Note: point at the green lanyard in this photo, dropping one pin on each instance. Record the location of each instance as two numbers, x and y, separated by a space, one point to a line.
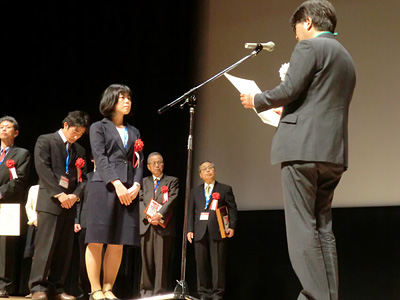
323 32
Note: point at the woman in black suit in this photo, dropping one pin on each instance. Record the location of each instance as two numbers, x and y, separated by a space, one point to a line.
113 215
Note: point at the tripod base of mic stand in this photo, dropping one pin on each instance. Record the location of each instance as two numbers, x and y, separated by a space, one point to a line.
181 291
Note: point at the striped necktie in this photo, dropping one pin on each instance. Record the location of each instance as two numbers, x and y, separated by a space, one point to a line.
3 153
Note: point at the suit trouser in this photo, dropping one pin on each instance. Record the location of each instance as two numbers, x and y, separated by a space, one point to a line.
53 249
155 258
10 257
210 262
77 282
308 189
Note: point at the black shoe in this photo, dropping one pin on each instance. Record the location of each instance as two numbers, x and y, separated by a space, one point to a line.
3 293
91 295
113 298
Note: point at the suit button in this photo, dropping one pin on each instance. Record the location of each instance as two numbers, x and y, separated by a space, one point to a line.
124 161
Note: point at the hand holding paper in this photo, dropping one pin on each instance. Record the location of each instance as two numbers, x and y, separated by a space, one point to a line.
247 100
250 88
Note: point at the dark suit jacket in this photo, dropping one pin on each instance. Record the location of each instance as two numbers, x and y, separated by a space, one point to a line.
113 161
315 96
197 204
50 159
81 207
147 193
14 190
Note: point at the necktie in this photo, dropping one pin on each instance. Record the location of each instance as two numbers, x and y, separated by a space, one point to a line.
156 182
208 191
3 153
67 160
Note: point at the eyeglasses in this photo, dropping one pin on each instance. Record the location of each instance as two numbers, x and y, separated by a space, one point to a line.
209 168
153 163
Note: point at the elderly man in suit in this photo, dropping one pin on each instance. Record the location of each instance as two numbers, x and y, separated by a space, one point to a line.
311 143
158 230
59 163
203 228
12 190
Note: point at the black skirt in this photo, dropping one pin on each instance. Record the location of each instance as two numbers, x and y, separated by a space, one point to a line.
109 221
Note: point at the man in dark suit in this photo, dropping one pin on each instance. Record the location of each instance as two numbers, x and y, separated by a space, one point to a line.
311 143
202 226
158 230
62 179
12 190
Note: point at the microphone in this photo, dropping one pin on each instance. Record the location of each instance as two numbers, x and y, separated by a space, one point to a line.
265 46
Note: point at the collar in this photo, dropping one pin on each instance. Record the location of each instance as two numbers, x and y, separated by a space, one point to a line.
158 178
62 136
7 148
212 184
326 32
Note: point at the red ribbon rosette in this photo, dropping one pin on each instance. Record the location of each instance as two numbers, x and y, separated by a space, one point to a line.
165 191
137 148
214 203
216 196
10 164
79 164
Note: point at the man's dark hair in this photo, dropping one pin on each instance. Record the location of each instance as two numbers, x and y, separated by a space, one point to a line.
77 118
321 12
11 120
109 98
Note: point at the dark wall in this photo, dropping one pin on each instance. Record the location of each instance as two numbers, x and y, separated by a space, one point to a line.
59 56
368 243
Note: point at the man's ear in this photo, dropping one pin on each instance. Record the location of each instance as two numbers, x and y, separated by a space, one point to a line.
16 132
308 24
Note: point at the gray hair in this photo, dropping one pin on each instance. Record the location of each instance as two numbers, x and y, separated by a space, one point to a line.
153 154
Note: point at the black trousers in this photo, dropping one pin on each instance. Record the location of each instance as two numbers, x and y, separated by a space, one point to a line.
308 189
155 260
210 263
10 262
77 282
53 249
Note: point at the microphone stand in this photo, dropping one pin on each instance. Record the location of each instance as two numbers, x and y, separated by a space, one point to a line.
181 290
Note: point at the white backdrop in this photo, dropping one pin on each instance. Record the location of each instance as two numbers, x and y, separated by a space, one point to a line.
238 142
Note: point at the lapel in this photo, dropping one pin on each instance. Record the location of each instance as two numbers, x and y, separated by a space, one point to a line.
131 138
60 145
73 155
114 133
10 154
158 192
203 197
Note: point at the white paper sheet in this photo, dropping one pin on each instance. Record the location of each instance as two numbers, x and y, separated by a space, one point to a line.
246 86
9 219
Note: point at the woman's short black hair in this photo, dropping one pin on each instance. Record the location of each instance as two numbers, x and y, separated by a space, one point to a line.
109 98
321 12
